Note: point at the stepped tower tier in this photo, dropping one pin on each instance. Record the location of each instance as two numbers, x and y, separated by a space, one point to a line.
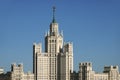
53 39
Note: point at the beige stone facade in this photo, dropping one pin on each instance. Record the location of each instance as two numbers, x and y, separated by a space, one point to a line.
56 62
86 73
17 73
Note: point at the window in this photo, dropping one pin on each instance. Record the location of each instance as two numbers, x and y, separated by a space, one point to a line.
52 40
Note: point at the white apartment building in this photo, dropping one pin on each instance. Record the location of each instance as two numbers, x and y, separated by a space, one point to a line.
17 73
86 72
56 62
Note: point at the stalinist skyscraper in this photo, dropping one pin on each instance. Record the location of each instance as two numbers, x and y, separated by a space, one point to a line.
56 62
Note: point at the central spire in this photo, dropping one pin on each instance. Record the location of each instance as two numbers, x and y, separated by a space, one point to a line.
54 14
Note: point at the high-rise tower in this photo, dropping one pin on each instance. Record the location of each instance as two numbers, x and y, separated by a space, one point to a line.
56 62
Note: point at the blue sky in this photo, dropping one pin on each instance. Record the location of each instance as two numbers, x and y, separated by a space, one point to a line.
92 25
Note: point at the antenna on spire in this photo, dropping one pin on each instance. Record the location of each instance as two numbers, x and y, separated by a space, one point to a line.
54 8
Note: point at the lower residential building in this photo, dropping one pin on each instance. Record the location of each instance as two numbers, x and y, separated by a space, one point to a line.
17 73
86 73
